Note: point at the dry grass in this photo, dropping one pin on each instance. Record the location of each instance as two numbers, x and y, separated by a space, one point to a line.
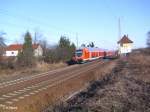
22 72
139 59
45 66
140 65
126 89
60 92
71 86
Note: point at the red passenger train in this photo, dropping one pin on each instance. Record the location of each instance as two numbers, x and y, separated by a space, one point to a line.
87 54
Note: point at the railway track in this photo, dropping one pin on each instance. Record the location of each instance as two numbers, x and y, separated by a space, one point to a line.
19 89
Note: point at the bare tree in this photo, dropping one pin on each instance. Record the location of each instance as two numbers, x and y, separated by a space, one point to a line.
2 44
44 45
83 45
38 36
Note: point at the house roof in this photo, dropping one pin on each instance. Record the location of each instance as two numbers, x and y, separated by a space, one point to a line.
13 47
125 39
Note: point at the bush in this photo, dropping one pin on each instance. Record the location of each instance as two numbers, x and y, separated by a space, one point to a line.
7 63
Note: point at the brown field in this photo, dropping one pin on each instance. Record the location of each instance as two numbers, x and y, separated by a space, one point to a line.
40 67
62 84
61 91
125 89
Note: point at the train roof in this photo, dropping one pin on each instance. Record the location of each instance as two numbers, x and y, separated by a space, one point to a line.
92 49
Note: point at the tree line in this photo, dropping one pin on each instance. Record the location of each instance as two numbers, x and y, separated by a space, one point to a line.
61 52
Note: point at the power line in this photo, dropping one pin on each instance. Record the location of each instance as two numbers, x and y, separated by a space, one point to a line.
16 25
13 24
33 21
27 19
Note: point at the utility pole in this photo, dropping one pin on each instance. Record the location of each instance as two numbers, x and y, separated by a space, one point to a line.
77 39
35 35
119 34
119 29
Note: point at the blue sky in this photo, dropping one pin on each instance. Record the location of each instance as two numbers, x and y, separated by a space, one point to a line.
91 20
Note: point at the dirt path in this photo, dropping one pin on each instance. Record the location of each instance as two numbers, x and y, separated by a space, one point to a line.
125 89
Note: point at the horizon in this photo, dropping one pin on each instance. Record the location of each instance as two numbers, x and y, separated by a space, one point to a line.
91 21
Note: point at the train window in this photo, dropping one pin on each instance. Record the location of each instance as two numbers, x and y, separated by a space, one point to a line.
79 53
79 50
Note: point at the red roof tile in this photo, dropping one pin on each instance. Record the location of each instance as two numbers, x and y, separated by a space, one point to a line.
14 47
35 46
125 39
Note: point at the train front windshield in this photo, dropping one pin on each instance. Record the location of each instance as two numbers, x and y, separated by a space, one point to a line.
79 53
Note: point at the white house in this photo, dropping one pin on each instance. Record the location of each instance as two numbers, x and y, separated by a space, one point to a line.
125 45
14 49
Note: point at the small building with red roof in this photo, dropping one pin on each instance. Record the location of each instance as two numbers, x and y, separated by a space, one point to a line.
125 45
14 49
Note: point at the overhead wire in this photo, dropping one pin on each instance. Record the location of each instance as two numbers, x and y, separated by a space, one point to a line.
33 22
